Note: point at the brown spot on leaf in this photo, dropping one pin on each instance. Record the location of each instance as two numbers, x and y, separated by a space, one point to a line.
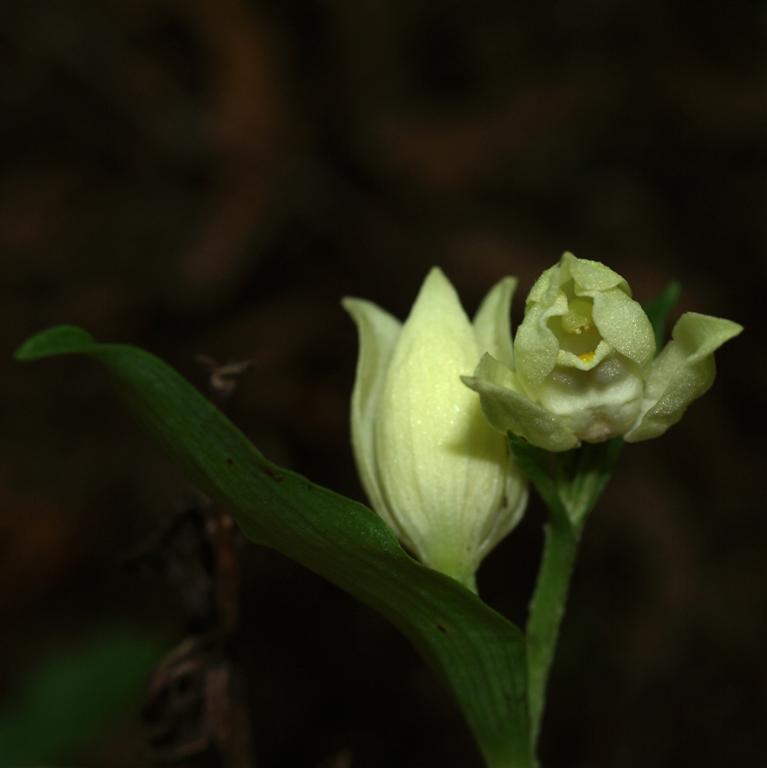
278 477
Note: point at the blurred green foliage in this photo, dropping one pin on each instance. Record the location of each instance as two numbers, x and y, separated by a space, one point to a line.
74 695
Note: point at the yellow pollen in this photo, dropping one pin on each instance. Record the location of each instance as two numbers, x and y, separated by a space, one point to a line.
586 357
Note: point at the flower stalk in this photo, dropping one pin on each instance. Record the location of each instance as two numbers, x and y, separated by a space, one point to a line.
547 609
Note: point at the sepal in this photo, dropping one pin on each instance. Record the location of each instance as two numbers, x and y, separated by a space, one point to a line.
681 373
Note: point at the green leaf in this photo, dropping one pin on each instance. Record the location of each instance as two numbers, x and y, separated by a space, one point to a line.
478 653
660 308
73 696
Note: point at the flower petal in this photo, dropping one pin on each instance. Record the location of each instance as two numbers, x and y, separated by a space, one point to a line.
536 346
378 334
681 373
440 463
492 323
511 512
508 410
591 275
623 324
545 288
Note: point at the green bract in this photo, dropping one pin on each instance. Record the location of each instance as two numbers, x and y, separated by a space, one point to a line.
584 365
432 467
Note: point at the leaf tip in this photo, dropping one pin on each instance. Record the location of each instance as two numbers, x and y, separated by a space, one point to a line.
58 340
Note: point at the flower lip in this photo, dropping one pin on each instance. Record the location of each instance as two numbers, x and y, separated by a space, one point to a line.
586 360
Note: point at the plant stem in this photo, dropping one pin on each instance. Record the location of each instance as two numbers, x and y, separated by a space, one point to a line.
546 611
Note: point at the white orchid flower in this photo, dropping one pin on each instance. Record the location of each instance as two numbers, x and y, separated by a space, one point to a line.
585 368
431 465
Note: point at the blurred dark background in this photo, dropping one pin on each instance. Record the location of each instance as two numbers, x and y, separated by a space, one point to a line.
211 178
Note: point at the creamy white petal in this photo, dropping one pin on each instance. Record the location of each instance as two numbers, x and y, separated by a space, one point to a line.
681 373
378 334
492 323
624 325
536 346
509 410
441 465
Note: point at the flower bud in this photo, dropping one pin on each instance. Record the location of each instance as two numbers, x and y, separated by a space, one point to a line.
432 467
584 365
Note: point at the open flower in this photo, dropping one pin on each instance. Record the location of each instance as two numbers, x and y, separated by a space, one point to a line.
585 367
432 467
